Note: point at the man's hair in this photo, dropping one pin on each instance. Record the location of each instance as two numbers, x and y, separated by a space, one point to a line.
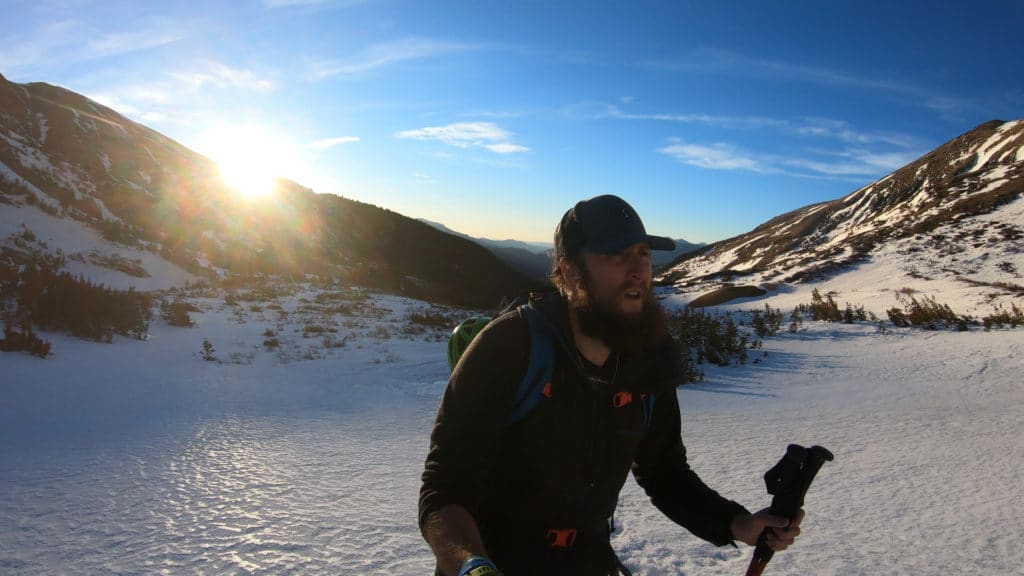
558 279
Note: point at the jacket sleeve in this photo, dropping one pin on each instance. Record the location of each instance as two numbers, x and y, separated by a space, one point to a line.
472 415
661 469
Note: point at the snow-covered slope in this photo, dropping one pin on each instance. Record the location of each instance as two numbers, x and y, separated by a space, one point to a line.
138 457
950 223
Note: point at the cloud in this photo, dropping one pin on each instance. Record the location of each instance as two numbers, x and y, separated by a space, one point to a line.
715 157
603 110
842 131
222 76
114 44
853 162
69 41
387 54
331 142
468 135
716 60
506 148
290 3
851 156
847 163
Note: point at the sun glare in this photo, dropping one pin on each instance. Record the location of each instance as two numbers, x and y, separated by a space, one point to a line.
246 177
249 158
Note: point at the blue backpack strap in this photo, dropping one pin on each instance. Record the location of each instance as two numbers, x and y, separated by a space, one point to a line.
540 369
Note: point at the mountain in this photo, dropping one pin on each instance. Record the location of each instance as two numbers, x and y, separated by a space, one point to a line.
954 215
69 163
533 258
528 258
661 259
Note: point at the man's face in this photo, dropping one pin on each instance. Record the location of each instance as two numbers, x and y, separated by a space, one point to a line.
613 300
620 282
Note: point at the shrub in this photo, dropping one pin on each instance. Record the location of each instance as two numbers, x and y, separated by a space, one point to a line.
795 321
431 318
176 313
768 323
928 314
702 337
24 340
822 308
1000 318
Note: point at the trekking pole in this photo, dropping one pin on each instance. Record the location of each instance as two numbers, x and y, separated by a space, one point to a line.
787 482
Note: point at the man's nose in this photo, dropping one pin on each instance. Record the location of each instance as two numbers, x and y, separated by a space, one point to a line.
637 266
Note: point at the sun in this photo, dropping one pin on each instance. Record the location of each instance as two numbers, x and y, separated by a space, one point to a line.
247 176
250 158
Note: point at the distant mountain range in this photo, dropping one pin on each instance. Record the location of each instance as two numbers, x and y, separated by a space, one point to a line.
533 258
85 165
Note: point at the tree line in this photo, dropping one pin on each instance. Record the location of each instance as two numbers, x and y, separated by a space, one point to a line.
35 294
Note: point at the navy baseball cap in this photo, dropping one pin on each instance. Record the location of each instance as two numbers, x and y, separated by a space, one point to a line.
605 225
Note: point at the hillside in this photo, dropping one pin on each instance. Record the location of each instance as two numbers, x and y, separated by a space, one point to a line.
950 223
165 211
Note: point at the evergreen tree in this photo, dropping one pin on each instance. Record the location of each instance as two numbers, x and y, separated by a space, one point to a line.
208 352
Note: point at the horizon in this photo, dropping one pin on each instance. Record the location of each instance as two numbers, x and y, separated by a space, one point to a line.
493 119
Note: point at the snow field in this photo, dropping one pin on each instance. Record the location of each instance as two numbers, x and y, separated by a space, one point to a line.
139 457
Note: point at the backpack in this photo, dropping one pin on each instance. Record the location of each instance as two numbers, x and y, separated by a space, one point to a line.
536 381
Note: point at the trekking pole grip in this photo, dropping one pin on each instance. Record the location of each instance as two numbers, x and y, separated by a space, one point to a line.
788 482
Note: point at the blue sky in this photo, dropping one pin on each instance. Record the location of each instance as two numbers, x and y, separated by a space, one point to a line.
495 116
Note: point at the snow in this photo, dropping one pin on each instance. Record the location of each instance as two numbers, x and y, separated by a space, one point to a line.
75 238
993 145
139 457
44 127
6 174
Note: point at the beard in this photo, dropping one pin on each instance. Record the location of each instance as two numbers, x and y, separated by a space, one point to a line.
602 318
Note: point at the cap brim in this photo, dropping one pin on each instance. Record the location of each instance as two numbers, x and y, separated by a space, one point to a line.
661 243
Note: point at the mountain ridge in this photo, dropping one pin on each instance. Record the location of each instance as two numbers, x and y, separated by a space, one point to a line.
934 206
78 160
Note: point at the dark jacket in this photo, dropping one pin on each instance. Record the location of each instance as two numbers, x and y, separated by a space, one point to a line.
541 490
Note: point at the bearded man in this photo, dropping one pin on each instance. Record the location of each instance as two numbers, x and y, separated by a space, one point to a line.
533 496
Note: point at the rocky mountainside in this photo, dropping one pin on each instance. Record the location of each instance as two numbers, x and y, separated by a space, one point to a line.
84 164
955 213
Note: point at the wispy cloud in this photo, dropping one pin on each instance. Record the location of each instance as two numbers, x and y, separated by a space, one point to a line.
855 152
122 43
222 76
845 163
178 97
468 135
67 41
603 110
387 54
807 127
331 142
717 60
717 156
290 3
852 162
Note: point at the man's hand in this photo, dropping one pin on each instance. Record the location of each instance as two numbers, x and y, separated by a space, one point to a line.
748 527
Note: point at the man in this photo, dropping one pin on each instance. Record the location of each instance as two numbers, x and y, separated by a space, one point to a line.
533 497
